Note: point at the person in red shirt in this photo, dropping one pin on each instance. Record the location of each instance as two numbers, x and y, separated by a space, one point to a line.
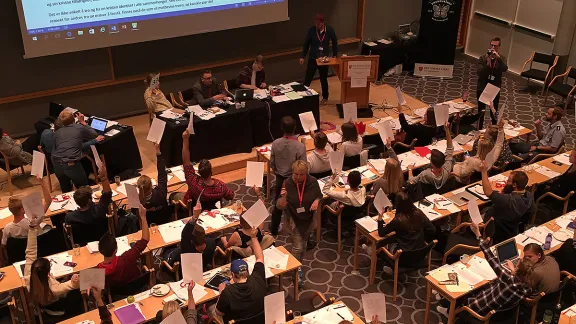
123 269
201 185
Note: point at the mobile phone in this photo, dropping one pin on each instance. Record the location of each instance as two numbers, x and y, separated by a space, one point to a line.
557 163
426 203
70 264
464 198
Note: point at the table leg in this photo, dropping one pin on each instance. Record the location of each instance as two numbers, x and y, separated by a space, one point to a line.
280 282
318 216
356 239
24 303
296 284
428 302
373 262
458 218
268 179
452 312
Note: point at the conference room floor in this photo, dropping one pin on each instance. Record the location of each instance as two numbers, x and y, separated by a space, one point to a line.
326 271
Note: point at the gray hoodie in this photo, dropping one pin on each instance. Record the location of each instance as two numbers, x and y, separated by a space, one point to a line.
319 162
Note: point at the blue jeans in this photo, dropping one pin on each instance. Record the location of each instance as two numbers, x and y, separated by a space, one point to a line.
68 173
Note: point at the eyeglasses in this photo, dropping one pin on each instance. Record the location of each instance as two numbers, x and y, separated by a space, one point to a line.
207 79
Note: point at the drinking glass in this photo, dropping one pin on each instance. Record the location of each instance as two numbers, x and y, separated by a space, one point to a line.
117 180
298 317
76 249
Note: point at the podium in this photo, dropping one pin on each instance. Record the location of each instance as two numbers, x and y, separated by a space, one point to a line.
351 70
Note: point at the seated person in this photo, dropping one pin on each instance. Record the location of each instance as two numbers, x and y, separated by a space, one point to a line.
154 198
510 207
201 186
549 139
19 226
423 131
123 269
253 76
545 267
565 183
508 289
319 158
194 240
355 196
13 150
243 298
566 254
491 133
392 181
351 141
155 100
207 90
191 314
441 165
463 170
89 222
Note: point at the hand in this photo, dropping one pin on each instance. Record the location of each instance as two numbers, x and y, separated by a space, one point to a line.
495 54
257 190
446 126
75 279
538 123
483 166
103 173
314 205
97 293
186 135
100 138
191 285
410 167
510 265
142 212
474 228
157 147
375 319
263 85
283 193
301 61
381 214
219 97
501 124
81 118
221 286
252 232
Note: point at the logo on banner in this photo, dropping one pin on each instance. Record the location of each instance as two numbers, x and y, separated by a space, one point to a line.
433 70
441 9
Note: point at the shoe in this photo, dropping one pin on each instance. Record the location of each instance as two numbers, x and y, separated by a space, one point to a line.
367 248
300 278
310 245
388 270
323 101
442 310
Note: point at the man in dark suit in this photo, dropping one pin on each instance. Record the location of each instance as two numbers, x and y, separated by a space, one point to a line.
207 90
489 70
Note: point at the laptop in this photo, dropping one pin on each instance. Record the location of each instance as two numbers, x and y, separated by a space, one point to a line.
98 124
55 109
298 87
507 250
243 95
462 198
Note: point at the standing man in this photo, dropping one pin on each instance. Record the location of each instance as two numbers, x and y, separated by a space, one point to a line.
489 70
318 42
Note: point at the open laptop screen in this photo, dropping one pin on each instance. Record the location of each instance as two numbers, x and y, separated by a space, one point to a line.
98 124
507 251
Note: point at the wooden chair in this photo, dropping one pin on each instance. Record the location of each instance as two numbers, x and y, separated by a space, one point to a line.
542 301
187 97
460 249
69 233
566 200
8 167
562 88
173 270
134 287
541 75
507 313
307 305
532 303
338 213
417 260
543 156
230 86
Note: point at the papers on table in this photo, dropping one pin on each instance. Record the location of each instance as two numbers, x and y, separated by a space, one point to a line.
207 221
420 112
274 259
563 158
38 160
293 95
201 113
400 96
374 304
254 174
170 114
274 308
524 240
443 203
112 132
251 261
63 201
256 214
409 158
480 267
539 234
467 276
178 172
308 121
564 221
428 211
381 201
174 318
57 267
490 92
33 205
379 164
191 267
92 278
441 114
336 161
368 223
281 98
441 273
499 177
358 82
334 313
129 314
385 41
370 43
171 232
182 292
350 111
547 172
474 212
156 131
5 213
511 133
334 137
442 145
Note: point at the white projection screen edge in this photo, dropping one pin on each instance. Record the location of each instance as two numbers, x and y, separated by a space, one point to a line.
54 36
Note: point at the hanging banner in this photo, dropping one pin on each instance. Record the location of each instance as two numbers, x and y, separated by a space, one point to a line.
436 45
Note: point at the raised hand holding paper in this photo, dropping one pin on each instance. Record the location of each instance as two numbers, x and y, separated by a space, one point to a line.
385 130
374 305
490 92
381 201
192 267
256 214
191 123
92 278
308 121
33 206
336 161
174 318
274 308
350 111
38 159
97 159
254 174
474 212
441 114
156 131
400 96
132 193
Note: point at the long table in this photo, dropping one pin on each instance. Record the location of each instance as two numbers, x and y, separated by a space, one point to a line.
236 131
151 305
392 54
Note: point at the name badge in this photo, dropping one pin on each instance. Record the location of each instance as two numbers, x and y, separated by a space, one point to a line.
491 78
321 48
300 210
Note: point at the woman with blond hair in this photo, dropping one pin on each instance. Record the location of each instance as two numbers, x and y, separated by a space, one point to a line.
392 181
191 315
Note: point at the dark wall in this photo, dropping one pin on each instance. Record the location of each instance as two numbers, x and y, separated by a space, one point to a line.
383 16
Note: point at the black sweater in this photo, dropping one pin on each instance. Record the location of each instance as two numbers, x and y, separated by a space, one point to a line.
312 43
423 133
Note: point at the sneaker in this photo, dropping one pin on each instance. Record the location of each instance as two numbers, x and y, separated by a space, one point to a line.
388 270
442 310
367 248
300 278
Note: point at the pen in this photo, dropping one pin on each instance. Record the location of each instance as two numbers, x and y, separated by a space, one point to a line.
526 239
341 306
341 317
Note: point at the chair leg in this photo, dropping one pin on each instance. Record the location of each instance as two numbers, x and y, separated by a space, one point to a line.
10 189
395 281
339 232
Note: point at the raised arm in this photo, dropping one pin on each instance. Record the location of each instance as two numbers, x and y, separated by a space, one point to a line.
449 148
486 185
31 246
186 148
499 141
256 248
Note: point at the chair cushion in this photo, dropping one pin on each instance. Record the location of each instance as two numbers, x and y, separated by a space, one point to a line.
534 74
561 89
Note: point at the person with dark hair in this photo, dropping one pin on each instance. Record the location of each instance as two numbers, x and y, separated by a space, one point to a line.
423 132
545 267
13 150
201 185
441 165
154 198
355 196
284 152
549 140
194 240
253 76
319 158
510 207
122 269
489 69
89 221
317 42
351 141
67 153
207 90
155 100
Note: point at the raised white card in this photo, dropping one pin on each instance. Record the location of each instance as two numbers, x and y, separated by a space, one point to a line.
33 205
254 174
308 121
156 131
381 201
274 308
441 114
374 304
174 318
336 161
350 111
97 159
385 130
474 212
132 194
94 277
490 92
192 267
38 159
400 96
256 214
190 127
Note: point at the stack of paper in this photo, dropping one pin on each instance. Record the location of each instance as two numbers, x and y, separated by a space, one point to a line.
329 315
443 203
564 221
169 114
275 259
251 261
293 95
216 222
563 158
369 223
171 231
379 164
467 276
410 158
201 113
547 172
281 98
63 201
385 41
428 211
481 268
182 292
441 273
441 146
524 240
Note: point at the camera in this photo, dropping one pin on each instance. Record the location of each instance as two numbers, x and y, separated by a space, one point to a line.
490 51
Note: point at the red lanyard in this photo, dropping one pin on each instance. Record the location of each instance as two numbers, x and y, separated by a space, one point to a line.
301 193
323 36
290 138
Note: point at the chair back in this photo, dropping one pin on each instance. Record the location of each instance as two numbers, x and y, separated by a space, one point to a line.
418 258
81 234
16 249
131 288
49 243
572 73
352 212
550 300
547 59
351 162
507 315
187 95
231 85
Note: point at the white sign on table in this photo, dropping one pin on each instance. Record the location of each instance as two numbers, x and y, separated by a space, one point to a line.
441 114
97 159
308 121
256 214
254 174
274 308
156 131
192 267
490 92
94 277
38 159
336 161
350 111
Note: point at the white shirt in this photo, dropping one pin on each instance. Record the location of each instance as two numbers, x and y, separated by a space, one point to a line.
352 148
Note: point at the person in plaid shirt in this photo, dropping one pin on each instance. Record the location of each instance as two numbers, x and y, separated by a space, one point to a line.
202 185
509 287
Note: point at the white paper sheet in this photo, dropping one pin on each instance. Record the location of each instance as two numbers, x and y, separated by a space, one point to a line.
488 95
122 244
490 158
443 203
190 127
92 278
156 131
281 98
274 259
256 214
385 131
350 111
563 158
274 308
374 304
201 113
468 276
474 212
174 318
216 222
191 267
97 159
441 114
524 240
5 213
441 273
182 292
38 159
378 164
547 172
400 96
132 194
334 138
308 121
172 231
381 201
336 161
254 174
33 205
358 82
481 267
368 223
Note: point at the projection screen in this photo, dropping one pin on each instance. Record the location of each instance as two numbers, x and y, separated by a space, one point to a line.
60 26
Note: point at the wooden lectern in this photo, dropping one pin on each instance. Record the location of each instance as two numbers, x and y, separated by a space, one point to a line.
348 93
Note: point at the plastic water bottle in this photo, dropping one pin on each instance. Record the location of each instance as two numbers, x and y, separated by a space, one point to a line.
557 312
548 242
547 319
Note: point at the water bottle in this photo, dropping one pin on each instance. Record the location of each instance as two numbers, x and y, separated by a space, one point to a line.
557 312
548 242
547 319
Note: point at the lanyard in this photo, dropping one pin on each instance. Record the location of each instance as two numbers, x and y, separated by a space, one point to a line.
323 36
290 138
301 193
